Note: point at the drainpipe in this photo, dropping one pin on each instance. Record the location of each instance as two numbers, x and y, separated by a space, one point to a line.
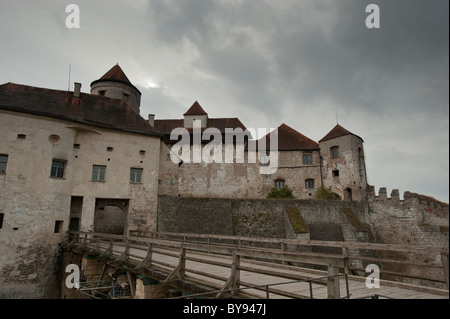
320 167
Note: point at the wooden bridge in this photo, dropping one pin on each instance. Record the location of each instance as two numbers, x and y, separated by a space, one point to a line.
209 266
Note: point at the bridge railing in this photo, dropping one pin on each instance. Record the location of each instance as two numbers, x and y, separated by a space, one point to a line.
140 251
335 257
420 265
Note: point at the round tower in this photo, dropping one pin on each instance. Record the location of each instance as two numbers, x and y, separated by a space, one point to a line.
115 84
344 167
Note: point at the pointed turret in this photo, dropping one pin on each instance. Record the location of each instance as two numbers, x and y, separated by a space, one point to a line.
115 84
336 132
195 113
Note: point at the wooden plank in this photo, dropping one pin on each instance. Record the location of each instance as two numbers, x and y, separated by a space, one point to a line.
207 261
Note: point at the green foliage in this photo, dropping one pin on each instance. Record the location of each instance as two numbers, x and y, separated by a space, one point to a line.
284 192
327 194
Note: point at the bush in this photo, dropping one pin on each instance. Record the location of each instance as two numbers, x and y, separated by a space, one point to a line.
284 192
327 194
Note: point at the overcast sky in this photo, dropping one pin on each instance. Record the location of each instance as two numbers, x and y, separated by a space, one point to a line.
305 63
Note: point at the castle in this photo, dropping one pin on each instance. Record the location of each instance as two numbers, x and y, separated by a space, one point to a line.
90 162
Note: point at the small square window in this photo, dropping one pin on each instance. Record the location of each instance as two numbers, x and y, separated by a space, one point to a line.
136 175
58 226
309 183
335 173
98 173
102 92
279 183
57 170
141 152
109 149
307 158
335 152
21 136
76 146
126 97
3 162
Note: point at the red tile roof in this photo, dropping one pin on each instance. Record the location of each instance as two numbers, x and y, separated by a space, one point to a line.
115 74
195 109
166 127
93 110
336 132
289 140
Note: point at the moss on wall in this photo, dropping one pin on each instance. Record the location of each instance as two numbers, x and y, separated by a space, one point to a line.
298 224
353 219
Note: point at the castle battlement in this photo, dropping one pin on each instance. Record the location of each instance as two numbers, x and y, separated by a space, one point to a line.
382 194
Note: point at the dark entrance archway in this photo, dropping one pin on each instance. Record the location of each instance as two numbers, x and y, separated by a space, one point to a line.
348 194
111 216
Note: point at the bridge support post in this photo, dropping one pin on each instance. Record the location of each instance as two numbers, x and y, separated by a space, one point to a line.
232 282
179 270
147 261
235 273
333 282
444 260
182 263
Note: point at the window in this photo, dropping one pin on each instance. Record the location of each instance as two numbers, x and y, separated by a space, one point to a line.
102 93
335 173
141 152
57 170
3 162
136 175
307 158
309 183
279 183
58 226
126 97
334 152
21 136
1 220
109 149
98 173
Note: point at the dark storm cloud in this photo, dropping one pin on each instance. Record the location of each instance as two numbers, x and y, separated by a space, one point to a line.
266 62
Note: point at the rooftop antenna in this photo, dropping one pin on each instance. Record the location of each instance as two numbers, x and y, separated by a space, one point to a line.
337 121
70 69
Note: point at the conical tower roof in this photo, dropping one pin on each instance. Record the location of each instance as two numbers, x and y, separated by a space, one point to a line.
336 132
115 74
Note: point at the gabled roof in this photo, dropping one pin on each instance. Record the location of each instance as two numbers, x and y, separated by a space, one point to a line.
195 109
166 126
93 110
115 74
289 140
336 132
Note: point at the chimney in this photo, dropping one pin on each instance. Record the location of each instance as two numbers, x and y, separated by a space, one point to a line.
77 89
151 120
